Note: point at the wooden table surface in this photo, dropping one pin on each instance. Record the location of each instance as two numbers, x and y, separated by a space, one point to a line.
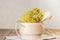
11 32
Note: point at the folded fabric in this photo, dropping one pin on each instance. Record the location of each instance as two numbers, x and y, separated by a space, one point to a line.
43 37
12 38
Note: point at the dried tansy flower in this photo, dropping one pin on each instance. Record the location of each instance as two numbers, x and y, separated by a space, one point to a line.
33 16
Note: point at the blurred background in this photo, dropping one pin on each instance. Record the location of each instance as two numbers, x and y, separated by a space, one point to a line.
11 11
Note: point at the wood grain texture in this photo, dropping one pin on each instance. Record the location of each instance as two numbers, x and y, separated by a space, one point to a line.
52 31
11 32
6 32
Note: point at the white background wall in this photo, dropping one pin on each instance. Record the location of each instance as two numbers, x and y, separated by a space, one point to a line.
11 11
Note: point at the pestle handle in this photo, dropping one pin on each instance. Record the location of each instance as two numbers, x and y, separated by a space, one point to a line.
47 16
